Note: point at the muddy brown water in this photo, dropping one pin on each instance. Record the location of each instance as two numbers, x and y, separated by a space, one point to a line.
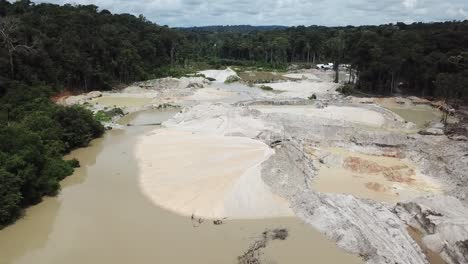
379 178
421 115
101 216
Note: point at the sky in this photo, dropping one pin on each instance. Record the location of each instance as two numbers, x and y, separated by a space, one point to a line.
183 13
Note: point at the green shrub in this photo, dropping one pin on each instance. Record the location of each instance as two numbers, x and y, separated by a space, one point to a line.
266 88
346 89
102 116
312 97
232 79
79 126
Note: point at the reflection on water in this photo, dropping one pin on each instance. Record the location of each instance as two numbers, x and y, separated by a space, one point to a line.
101 217
148 117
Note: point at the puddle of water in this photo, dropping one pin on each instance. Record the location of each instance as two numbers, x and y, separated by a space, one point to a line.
378 178
432 257
148 117
101 216
421 115
121 101
258 76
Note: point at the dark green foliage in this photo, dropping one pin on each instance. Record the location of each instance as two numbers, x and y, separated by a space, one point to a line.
79 126
266 88
10 196
312 97
34 135
346 89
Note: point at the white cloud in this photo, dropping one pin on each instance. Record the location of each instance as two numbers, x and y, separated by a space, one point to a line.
284 12
410 4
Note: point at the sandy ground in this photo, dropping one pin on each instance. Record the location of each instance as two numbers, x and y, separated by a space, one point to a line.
339 113
303 89
205 175
303 76
208 94
219 75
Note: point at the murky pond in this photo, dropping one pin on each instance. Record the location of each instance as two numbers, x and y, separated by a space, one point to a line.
148 117
421 115
379 178
102 217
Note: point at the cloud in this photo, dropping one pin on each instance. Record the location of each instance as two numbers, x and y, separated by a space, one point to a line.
284 12
410 4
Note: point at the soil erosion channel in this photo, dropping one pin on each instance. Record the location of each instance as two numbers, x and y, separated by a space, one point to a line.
102 216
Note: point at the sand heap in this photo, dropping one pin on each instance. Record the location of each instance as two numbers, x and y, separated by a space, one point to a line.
219 75
192 167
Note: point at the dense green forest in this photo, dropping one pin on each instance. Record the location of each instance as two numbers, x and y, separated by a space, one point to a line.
84 48
47 48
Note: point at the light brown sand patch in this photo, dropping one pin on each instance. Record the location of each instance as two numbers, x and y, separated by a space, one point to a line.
379 178
207 175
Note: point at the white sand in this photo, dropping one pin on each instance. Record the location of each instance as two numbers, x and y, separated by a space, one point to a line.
305 75
303 89
219 75
208 94
339 113
220 119
206 175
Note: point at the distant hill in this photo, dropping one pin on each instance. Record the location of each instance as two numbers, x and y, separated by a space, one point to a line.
233 28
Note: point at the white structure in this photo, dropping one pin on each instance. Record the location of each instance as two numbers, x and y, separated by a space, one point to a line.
327 66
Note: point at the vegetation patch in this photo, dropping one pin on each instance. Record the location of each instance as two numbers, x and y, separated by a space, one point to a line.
232 79
107 115
346 89
34 135
266 88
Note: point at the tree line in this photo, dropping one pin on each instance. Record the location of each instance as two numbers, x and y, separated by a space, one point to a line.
83 48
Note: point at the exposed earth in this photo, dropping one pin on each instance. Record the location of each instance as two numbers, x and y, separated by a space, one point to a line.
359 170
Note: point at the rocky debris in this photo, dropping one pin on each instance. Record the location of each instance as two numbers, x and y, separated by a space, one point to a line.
173 83
360 226
434 129
252 255
292 101
443 220
219 76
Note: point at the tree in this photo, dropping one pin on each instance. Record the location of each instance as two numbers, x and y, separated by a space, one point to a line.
336 47
8 28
